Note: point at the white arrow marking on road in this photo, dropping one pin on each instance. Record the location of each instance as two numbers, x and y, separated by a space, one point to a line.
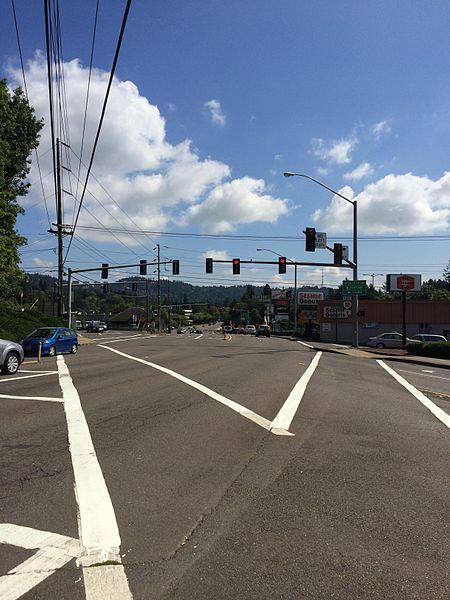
54 551
283 420
437 412
97 525
242 410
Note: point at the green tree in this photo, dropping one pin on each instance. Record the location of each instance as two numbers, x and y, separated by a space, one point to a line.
19 134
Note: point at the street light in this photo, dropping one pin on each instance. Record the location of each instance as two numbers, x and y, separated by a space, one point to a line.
354 203
295 283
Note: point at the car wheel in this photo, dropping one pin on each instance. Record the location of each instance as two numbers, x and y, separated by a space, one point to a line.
52 351
380 345
12 363
74 349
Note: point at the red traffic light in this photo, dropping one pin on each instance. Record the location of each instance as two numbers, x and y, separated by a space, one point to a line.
236 266
282 264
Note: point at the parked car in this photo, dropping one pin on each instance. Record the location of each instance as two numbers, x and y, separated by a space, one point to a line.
11 356
250 329
263 330
227 329
95 327
387 340
181 330
53 340
104 325
428 337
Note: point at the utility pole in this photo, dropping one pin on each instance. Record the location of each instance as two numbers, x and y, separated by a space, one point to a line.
59 231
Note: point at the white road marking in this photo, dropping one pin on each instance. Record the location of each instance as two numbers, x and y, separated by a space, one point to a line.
54 551
437 412
421 374
27 376
97 525
242 410
287 412
124 339
427 371
199 336
41 398
305 344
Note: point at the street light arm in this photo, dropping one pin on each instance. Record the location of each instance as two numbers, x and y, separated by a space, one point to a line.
290 174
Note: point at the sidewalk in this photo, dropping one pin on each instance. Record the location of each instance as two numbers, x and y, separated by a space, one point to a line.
371 353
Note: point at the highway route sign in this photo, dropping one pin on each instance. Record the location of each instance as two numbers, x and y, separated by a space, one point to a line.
354 288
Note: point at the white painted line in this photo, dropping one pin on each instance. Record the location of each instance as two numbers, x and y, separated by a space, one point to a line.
54 551
437 412
242 410
125 339
283 420
39 372
199 336
423 374
41 398
97 525
20 377
427 371
305 344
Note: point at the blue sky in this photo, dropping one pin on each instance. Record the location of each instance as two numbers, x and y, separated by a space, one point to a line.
214 100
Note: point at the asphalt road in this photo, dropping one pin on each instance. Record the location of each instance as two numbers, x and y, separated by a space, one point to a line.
186 467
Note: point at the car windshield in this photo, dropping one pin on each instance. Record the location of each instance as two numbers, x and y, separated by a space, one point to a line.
42 332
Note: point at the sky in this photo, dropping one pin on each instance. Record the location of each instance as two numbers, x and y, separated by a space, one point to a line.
211 103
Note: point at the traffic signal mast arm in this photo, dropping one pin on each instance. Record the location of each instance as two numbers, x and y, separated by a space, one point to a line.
148 264
349 262
272 262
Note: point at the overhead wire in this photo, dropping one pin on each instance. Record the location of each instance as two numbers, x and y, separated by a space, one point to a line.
102 116
19 46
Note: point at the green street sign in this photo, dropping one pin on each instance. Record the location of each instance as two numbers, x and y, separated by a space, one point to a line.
354 288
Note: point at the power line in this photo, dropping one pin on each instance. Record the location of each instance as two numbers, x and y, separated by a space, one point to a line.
97 135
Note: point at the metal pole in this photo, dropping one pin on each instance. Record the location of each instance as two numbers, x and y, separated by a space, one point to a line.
69 282
147 304
403 319
355 307
159 291
295 301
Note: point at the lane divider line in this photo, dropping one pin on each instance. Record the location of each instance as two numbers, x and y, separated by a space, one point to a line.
239 408
305 344
437 412
27 376
284 418
97 525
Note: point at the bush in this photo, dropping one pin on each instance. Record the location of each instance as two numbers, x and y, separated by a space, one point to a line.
433 349
16 324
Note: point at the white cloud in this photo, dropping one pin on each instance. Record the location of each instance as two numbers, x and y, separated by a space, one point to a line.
361 171
239 201
278 157
217 115
381 128
396 204
151 179
41 262
217 255
335 152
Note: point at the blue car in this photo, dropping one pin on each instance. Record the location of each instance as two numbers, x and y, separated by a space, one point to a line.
53 340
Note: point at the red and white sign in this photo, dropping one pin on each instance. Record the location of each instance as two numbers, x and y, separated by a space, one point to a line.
309 297
404 283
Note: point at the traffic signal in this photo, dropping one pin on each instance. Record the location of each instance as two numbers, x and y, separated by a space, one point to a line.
289 295
104 270
143 267
310 239
282 264
337 251
134 287
236 266
209 265
175 267
105 287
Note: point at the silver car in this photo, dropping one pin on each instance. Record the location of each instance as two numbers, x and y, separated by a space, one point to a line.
387 340
11 356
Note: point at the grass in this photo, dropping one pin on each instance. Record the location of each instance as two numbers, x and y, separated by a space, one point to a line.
15 324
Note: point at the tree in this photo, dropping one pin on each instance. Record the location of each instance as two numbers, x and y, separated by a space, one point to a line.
19 134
